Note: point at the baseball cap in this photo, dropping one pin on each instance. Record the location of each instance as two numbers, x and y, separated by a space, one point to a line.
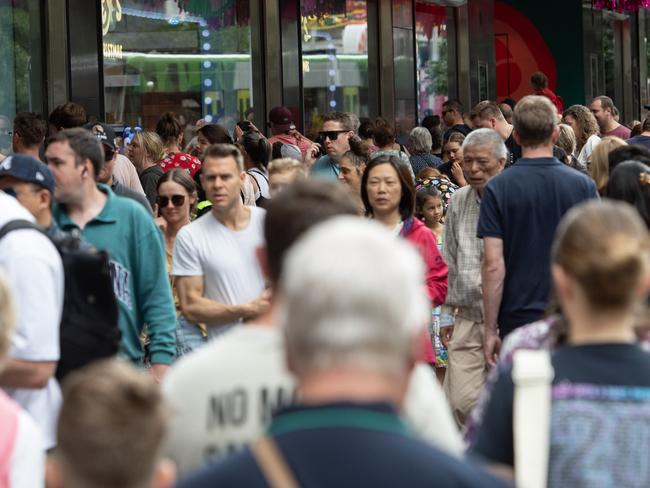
103 132
291 151
28 169
281 118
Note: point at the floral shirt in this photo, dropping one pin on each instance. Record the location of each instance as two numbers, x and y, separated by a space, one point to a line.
180 160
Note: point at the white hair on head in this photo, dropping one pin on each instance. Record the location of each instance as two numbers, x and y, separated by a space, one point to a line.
355 296
488 139
420 138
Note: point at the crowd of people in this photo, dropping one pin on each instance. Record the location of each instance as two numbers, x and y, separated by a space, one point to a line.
467 307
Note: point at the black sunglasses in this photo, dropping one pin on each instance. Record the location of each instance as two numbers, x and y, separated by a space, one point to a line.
177 201
331 134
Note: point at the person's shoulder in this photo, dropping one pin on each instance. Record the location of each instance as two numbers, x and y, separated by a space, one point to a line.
126 204
237 470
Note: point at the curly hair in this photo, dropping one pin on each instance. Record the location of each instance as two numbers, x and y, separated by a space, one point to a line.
588 126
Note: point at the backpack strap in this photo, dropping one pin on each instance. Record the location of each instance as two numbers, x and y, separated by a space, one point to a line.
19 224
274 467
532 375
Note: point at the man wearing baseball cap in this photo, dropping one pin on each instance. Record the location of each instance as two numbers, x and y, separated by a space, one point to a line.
32 183
283 130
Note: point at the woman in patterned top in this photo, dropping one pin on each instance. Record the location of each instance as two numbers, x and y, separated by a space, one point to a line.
171 132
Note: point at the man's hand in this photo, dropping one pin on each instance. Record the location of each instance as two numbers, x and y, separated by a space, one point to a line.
158 372
312 155
491 347
445 335
259 306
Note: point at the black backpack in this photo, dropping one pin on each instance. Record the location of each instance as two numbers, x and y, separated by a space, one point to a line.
89 323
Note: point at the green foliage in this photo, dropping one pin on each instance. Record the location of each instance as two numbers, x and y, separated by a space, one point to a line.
436 71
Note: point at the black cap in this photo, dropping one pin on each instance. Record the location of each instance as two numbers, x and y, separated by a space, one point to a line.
28 169
103 132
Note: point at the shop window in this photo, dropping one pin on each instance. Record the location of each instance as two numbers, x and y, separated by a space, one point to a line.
334 59
21 64
190 57
432 57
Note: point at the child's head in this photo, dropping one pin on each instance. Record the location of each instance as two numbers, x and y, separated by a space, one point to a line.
429 206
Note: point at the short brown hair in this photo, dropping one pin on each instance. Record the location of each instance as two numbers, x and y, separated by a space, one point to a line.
534 120
487 110
225 151
407 202
84 144
348 121
68 115
539 80
603 245
111 427
383 133
31 128
606 102
294 211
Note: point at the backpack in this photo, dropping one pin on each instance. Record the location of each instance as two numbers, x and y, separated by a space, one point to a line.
89 328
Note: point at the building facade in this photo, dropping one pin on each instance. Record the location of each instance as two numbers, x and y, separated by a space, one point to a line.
128 61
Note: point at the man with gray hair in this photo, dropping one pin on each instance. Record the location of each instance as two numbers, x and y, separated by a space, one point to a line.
484 156
420 146
352 347
520 209
334 137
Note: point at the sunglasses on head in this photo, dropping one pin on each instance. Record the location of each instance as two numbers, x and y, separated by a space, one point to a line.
177 201
331 134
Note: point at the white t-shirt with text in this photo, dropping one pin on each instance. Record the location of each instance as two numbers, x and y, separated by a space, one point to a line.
226 259
222 397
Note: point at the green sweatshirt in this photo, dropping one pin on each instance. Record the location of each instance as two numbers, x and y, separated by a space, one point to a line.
137 264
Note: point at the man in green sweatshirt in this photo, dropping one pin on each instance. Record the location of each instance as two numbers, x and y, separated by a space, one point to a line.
123 228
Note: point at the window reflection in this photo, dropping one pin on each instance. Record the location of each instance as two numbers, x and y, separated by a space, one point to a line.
334 59
193 60
432 55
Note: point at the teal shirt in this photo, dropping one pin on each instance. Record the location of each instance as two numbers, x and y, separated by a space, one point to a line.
326 169
137 263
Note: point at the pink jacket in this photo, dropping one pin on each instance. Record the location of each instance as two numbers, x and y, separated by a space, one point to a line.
436 268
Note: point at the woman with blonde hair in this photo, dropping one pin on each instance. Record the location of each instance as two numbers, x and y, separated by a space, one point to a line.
599 165
145 152
585 127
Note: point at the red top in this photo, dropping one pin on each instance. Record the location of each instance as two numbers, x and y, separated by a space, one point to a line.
436 268
180 160
555 99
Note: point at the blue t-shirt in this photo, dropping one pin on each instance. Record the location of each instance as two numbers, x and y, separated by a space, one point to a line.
326 169
347 445
523 206
600 417
640 141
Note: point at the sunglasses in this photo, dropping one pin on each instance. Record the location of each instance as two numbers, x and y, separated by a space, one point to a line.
331 134
177 201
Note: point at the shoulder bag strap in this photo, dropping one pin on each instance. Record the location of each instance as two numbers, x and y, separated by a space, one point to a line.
274 467
17 225
532 375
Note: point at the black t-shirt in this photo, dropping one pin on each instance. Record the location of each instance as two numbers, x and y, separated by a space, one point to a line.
149 180
600 417
445 169
514 149
522 206
462 128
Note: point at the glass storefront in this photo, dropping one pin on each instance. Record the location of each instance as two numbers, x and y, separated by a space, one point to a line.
334 59
190 57
21 64
432 55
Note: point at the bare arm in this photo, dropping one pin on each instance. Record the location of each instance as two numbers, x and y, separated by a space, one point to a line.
199 309
493 272
27 374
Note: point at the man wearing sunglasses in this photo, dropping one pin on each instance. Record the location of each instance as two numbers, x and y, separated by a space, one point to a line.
334 137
